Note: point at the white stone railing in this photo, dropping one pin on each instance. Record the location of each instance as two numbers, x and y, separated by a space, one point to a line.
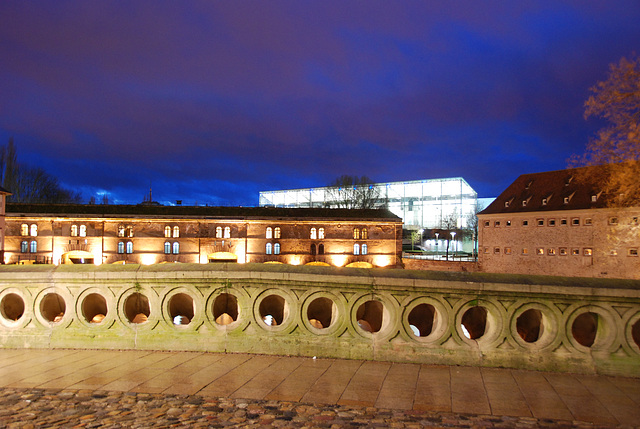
543 323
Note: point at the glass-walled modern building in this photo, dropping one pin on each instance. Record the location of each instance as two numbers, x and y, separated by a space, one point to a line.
422 204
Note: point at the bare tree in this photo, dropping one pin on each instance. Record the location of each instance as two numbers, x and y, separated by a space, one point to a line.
471 230
617 146
352 192
449 224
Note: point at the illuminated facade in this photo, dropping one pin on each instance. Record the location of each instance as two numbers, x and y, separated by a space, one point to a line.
157 234
554 224
420 203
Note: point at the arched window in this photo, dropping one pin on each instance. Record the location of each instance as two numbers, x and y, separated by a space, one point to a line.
176 248
219 232
83 230
121 246
356 234
364 249
74 230
356 249
176 231
34 230
34 247
269 248
269 233
129 232
276 233
321 249
121 231
227 232
167 231
365 235
313 249
24 247
129 247
24 229
276 249
313 235
167 247
320 233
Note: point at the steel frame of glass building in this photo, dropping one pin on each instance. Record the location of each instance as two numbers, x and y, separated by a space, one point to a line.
420 203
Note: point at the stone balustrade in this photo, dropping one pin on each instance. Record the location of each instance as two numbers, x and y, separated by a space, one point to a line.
542 323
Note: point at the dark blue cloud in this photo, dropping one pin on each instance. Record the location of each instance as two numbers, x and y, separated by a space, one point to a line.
213 102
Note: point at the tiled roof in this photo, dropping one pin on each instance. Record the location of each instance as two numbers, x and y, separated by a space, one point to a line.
571 189
112 210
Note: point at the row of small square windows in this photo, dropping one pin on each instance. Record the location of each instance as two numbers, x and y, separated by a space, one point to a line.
613 220
562 251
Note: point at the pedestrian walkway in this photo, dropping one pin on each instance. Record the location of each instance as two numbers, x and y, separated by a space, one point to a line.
412 392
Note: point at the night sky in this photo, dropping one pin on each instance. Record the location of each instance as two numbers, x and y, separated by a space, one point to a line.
211 102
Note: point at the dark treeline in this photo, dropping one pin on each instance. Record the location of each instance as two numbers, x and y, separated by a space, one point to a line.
30 184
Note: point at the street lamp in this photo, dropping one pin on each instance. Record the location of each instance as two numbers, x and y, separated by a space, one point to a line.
453 238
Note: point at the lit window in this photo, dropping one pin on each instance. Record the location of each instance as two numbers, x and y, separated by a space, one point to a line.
227 232
219 232
74 230
552 222
588 251
121 246
563 251
276 232
487 223
356 249
508 223
613 221
613 252
129 232
633 252
540 251
129 247
24 247
634 220
356 234
121 231
24 229
268 233
551 252
540 222
276 249
575 252
313 235
176 231
588 221
486 250
365 235
176 248
364 249
167 247
34 247
507 250
575 221
321 233
496 223
167 231
594 198
525 223
83 230
269 248
525 251
34 230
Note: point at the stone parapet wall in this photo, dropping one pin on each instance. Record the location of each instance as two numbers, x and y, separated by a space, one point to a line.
540 323
436 265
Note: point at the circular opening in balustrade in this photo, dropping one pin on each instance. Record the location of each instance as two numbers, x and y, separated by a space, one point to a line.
320 312
94 308
52 307
12 307
274 310
421 320
370 316
181 309
585 328
136 308
635 333
474 322
225 309
529 325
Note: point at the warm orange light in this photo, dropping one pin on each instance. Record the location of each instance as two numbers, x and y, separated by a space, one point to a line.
339 260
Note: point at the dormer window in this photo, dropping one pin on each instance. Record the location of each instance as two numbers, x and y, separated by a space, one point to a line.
566 200
544 201
568 181
529 184
506 203
524 203
594 198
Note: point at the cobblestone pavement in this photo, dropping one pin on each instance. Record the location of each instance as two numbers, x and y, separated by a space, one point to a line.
47 408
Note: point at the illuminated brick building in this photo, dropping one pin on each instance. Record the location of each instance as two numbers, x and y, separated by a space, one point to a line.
149 234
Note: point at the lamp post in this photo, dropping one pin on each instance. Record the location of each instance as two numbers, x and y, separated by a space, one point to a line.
453 238
437 235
